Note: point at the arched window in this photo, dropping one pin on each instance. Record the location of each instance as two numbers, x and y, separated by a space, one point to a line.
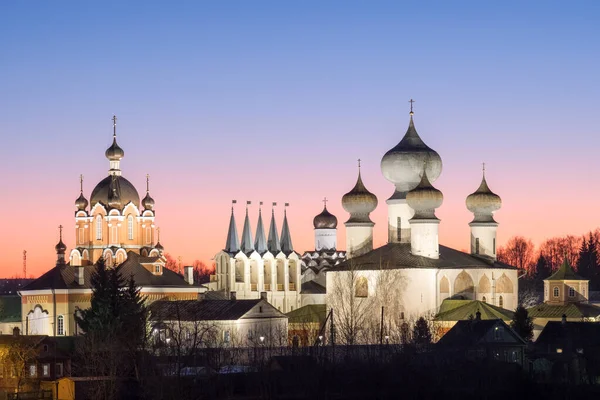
555 291
99 227
362 287
571 292
60 325
130 227
501 302
484 299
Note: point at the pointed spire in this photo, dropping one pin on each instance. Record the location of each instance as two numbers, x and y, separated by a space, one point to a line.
260 243
233 243
273 242
286 237
247 244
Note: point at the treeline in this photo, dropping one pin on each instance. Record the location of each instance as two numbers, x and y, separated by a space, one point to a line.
539 263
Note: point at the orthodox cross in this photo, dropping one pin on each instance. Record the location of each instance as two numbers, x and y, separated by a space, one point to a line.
483 167
60 231
114 120
81 183
325 202
411 101
147 183
359 163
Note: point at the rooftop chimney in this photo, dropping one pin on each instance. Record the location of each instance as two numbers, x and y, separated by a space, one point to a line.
188 274
263 295
79 275
232 296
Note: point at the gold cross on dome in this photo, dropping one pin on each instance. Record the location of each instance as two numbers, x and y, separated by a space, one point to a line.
411 101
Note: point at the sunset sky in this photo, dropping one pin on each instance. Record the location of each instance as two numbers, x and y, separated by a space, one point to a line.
276 100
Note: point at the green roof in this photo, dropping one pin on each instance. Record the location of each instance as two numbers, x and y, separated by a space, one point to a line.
311 313
457 310
565 273
572 310
10 309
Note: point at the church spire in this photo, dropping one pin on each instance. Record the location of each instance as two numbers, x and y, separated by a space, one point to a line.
286 237
273 242
233 243
247 244
260 243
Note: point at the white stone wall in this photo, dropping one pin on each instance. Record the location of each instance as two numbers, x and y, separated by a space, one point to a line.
397 208
424 240
486 233
359 239
325 239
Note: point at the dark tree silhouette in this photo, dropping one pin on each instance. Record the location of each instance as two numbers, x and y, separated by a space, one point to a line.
522 323
421 332
587 264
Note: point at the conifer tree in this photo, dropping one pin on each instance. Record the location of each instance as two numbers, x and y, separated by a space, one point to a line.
522 323
421 332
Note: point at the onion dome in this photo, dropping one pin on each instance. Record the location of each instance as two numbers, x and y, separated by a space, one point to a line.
114 187
114 152
483 203
359 202
60 247
159 247
403 165
424 199
81 203
147 201
325 220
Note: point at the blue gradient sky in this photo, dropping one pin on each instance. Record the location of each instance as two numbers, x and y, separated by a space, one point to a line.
275 101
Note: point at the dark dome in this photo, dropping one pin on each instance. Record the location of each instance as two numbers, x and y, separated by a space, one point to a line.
114 152
148 202
128 193
60 247
159 247
325 220
81 203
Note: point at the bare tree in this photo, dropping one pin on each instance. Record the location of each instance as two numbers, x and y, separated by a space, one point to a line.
519 252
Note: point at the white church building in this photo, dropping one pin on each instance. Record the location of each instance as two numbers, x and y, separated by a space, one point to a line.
412 274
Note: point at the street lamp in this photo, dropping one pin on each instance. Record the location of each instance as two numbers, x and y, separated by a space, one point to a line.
262 339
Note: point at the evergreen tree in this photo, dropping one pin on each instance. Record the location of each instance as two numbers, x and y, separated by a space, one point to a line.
542 269
522 323
114 328
587 265
421 332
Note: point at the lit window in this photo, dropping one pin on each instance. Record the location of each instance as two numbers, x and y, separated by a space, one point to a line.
59 370
571 292
32 370
99 227
130 227
559 350
46 370
157 269
60 325
556 292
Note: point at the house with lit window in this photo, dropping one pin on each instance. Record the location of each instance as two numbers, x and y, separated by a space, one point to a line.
483 340
26 362
565 294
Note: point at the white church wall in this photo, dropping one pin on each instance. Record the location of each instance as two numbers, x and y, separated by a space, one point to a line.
359 239
399 213
483 239
424 238
325 239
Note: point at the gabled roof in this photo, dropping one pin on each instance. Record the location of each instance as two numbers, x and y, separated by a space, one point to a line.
310 313
204 310
399 255
456 310
312 287
569 335
63 276
571 310
565 273
471 332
